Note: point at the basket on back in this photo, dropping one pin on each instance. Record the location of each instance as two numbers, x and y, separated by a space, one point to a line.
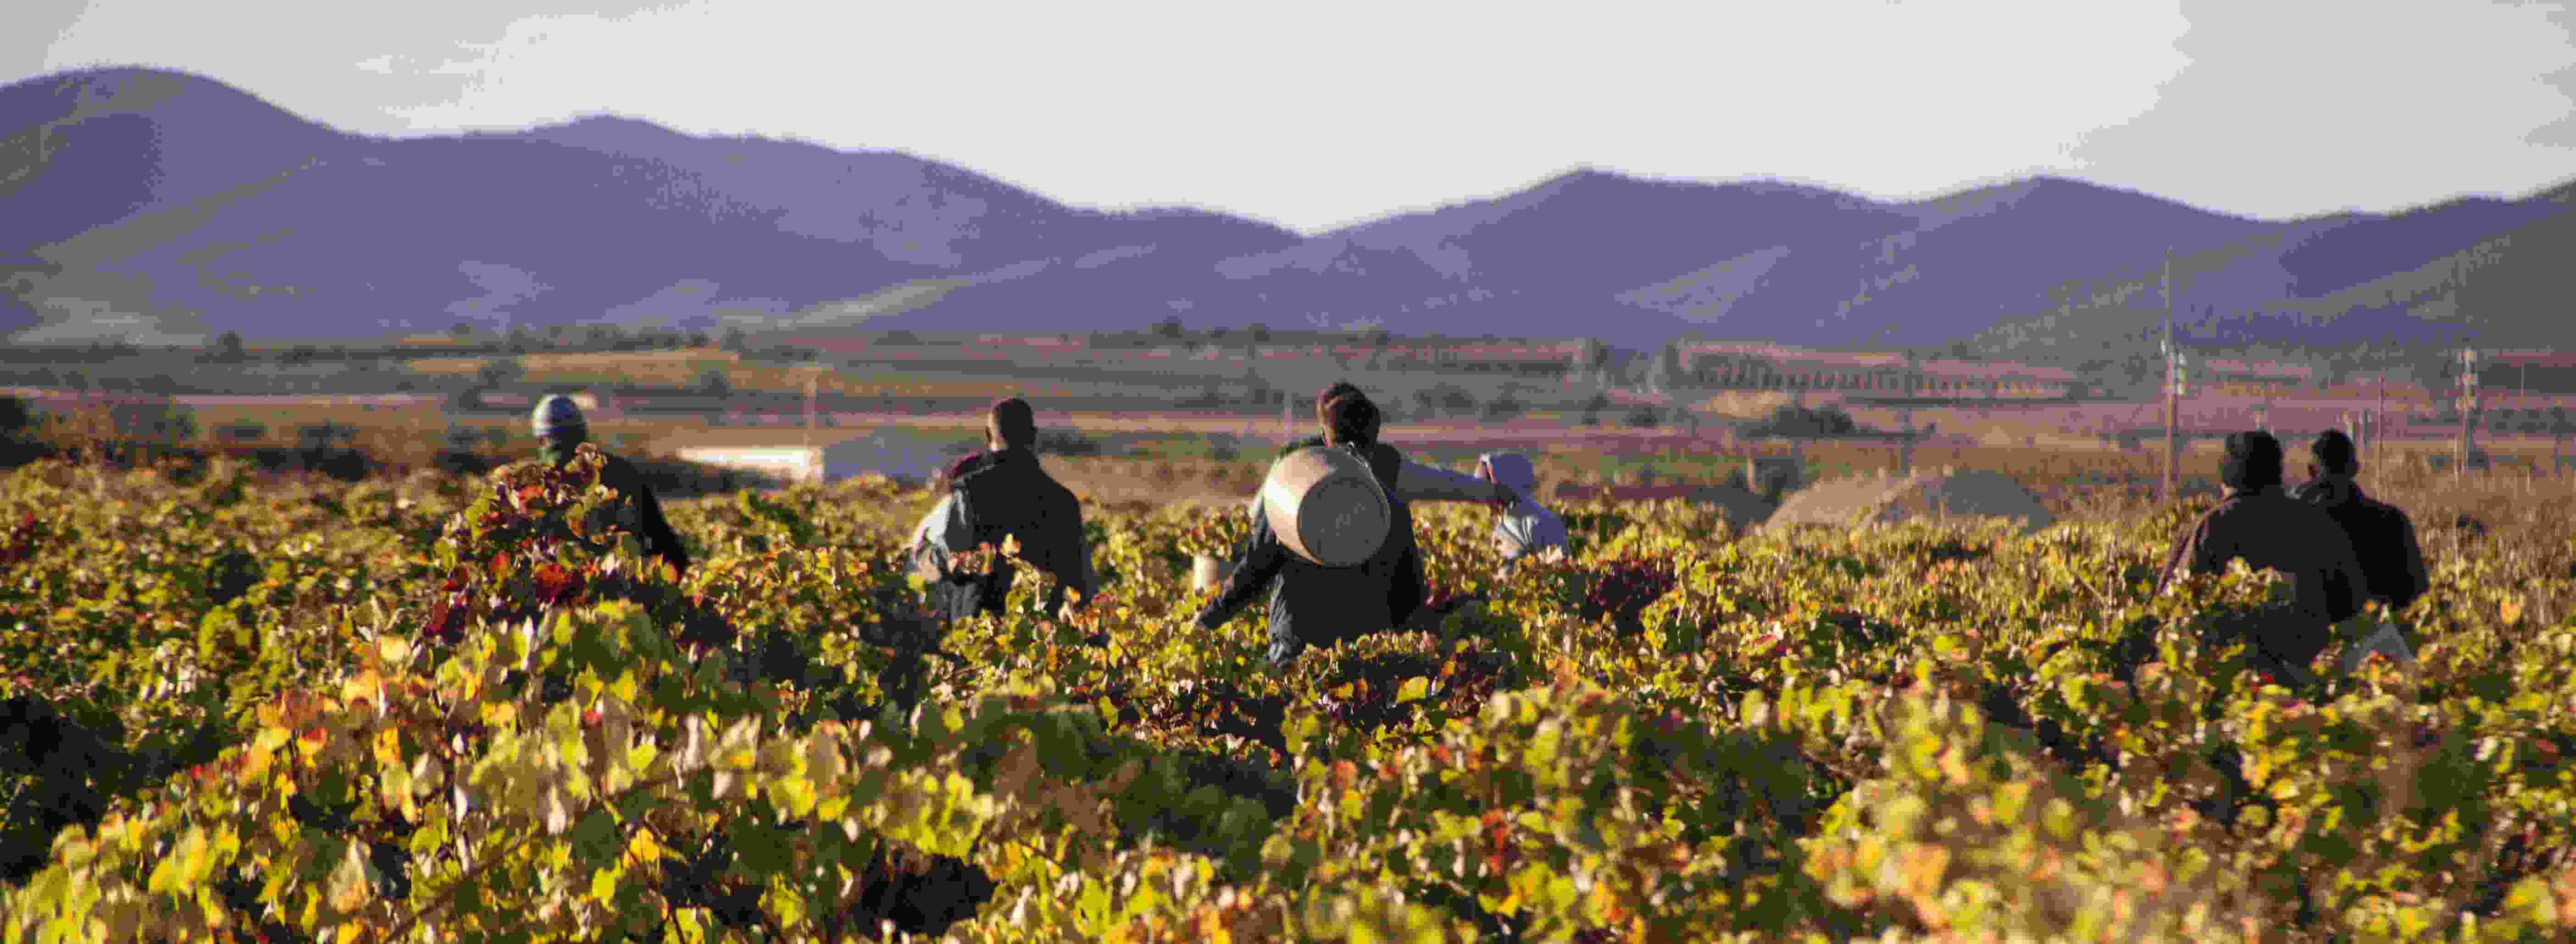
1326 507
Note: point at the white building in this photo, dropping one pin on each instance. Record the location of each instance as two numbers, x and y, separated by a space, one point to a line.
894 453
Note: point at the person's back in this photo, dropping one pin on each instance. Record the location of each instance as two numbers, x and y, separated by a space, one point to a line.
2263 526
1004 493
562 433
1010 495
1315 605
2383 539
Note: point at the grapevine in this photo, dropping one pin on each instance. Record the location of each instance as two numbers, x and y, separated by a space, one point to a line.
463 708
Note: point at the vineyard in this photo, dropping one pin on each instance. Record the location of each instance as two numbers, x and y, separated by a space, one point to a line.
444 708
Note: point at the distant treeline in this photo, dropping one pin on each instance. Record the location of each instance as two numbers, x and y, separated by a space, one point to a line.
666 476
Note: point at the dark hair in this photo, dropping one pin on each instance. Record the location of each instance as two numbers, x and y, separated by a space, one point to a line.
1011 421
2333 452
2253 461
1350 419
1325 397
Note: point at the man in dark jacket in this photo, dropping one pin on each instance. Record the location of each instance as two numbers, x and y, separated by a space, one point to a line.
997 494
1417 482
2267 528
1314 605
2392 563
1413 481
561 429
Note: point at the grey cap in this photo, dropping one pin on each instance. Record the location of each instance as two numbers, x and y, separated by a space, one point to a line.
556 414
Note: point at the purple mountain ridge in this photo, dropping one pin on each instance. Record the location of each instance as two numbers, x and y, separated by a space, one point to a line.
153 204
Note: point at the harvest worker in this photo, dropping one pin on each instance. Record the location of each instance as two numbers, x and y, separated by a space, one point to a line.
561 430
1413 481
2266 528
1524 528
1002 493
1315 605
2392 563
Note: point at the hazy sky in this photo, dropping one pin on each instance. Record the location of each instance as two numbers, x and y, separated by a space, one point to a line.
1315 113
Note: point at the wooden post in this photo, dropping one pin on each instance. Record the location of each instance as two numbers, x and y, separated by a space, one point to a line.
2557 445
1913 382
2468 409
2173 394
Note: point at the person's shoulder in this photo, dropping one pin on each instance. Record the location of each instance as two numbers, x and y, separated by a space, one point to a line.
1061 494
2389 515
2305 508
966 465
2379 507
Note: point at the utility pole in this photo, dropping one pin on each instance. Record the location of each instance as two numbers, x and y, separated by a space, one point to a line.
811 375
2376 411
2173 392
2468 407
1913 379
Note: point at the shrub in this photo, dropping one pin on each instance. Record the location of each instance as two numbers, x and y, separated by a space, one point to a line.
1066 442
1794 420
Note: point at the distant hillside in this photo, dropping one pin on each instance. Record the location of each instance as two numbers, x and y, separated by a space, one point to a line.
164 206
2408 285
181 198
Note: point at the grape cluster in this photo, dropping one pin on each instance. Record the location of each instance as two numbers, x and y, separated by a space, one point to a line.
58 773
1621 589
920 894
59 765
21 540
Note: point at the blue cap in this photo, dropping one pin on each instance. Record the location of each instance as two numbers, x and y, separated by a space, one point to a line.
555 414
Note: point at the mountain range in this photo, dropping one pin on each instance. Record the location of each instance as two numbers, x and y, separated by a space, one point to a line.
158 205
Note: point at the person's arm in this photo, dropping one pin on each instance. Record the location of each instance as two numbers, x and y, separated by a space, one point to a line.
942 534
657 529
1407 593
2188 556
2350 585
624 479
1418 482
1262 558
1072 554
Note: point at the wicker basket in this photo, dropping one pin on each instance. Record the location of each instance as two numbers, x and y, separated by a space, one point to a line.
1326 507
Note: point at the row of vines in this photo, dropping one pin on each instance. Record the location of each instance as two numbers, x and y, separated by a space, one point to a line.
446 709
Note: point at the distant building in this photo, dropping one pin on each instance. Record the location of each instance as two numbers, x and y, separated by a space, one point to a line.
895 453
1762 366
2537 371
1537 359
2272 374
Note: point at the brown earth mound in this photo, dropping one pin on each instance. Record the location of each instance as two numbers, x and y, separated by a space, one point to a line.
1967 496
